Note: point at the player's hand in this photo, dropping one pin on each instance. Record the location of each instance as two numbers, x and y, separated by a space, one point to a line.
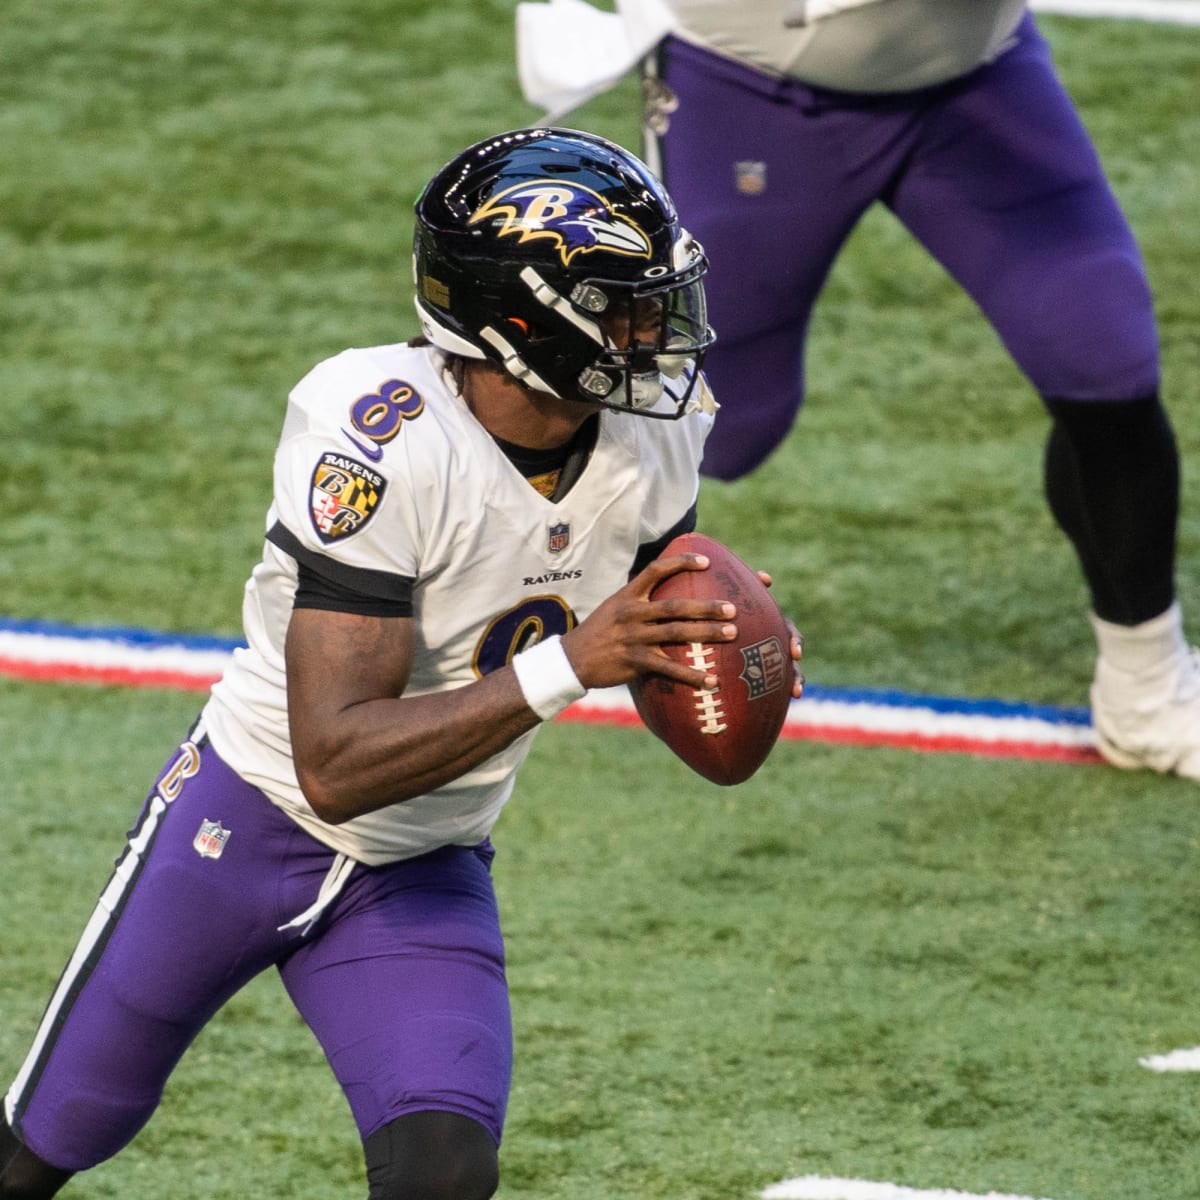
797 654
621 639
797 647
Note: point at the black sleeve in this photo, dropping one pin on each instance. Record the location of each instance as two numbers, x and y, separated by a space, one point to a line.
649 551
326 584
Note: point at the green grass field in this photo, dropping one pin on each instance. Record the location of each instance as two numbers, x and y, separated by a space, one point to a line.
870 964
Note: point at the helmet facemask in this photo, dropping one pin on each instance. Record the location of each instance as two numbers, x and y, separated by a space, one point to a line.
635 346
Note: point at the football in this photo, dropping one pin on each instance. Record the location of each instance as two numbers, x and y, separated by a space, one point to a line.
724 734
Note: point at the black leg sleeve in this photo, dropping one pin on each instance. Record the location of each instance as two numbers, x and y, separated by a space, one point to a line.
1112 482
431 1155
23 1176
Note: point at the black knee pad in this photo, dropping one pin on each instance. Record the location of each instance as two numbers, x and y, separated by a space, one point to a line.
431 1156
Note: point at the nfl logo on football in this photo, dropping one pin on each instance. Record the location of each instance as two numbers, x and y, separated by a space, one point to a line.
210 840
559 538
764 669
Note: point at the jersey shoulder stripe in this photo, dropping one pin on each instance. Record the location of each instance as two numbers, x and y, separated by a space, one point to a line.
378 585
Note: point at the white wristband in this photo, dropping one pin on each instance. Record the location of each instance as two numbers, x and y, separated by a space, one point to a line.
547 678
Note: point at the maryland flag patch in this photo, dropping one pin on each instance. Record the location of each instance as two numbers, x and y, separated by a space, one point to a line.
343 496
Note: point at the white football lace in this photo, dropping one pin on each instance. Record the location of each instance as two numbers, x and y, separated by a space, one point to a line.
708 700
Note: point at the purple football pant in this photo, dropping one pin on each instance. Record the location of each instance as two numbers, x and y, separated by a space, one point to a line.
401 978
995 176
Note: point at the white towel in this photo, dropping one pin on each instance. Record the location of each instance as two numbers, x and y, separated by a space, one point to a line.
568 51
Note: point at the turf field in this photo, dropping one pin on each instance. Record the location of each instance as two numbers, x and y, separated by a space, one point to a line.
865 964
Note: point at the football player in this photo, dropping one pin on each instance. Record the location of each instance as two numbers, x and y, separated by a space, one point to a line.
777 123
463 539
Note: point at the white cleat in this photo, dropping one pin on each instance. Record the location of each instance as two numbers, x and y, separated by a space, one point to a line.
1150 718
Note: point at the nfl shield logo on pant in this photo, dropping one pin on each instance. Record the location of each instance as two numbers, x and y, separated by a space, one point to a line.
210 840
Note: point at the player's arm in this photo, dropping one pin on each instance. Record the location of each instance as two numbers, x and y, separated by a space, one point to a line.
360 744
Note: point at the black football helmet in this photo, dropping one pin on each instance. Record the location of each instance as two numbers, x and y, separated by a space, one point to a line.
558 255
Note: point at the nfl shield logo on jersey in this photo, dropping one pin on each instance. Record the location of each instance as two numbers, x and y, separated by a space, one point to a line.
559 538
210 840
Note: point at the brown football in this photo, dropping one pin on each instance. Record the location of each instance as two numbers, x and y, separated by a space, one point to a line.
725 734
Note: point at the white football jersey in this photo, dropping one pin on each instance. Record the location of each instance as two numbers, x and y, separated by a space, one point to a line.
382 468
854 45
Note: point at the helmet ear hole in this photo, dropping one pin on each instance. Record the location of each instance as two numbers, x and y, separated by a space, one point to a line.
532 331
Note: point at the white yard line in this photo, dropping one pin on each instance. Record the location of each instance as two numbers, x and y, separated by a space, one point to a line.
817 1187
1173 12
1176 1060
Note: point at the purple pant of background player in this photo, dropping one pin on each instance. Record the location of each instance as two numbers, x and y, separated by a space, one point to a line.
993 173
401 977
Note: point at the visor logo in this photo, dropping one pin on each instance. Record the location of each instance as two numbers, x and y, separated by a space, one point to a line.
573 218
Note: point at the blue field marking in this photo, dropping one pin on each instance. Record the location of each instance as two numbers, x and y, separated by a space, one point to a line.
120 633
887 698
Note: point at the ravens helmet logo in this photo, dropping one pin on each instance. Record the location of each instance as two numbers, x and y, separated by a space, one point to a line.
575 219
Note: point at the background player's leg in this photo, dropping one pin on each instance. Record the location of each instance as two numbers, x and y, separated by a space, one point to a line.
1112 480
1008 193
765 184
431 1156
